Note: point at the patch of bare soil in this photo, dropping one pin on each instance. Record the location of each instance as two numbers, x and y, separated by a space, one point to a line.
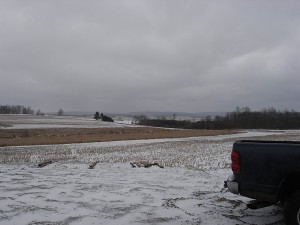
18 137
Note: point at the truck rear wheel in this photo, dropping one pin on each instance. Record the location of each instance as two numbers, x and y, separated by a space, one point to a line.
292 209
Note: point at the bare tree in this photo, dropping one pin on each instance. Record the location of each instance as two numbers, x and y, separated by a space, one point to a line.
39 113
60 112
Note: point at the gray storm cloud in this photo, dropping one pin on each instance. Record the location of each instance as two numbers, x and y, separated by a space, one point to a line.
137 55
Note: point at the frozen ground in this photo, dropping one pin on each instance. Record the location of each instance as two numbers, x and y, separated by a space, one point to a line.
187 191
31 121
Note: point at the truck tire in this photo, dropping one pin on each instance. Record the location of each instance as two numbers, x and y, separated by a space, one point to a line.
292 209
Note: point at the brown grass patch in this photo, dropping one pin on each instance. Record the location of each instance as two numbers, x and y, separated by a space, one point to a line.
49 136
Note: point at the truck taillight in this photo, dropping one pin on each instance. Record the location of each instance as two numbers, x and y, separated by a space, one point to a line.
235 162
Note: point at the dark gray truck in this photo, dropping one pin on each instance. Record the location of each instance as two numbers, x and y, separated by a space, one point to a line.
269 173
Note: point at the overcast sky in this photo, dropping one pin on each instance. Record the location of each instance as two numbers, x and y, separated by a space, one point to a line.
150 55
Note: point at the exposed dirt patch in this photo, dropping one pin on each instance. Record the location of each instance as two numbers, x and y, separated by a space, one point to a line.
18 137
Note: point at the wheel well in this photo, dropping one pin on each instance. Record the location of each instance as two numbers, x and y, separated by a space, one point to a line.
289 185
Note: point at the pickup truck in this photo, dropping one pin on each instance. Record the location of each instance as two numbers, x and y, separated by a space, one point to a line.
269 173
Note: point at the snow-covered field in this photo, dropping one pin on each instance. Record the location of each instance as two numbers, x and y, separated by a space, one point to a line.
31 121
189 190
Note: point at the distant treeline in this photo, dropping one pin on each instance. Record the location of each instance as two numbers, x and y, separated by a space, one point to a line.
15 109
241 118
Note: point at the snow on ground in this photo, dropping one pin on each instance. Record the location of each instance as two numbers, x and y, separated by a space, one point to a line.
31 121
189 190
118 194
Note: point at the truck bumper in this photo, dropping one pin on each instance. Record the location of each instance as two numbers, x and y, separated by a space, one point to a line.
232 185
